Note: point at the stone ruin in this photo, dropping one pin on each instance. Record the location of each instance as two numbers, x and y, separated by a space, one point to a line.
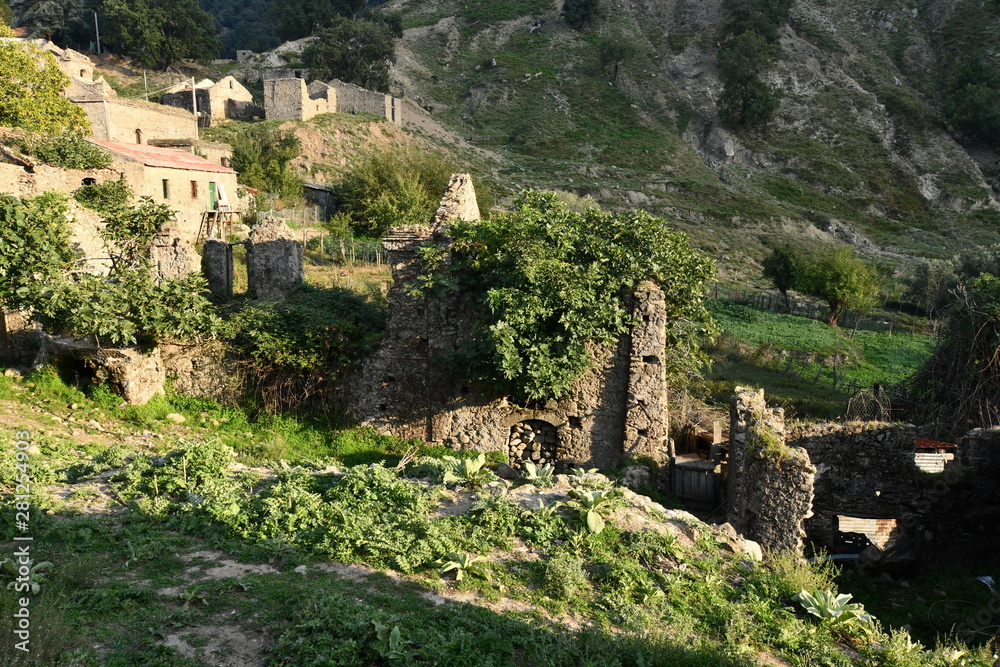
275 262
408 389
860 489
535 441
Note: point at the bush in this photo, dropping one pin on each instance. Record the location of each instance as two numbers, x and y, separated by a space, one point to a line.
565 578
104 197
69 151
550 283
394 187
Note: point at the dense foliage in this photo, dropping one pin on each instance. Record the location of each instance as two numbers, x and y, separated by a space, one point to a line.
394 187
127 307
6 16
263 154
68 150
580 14
298 350
750 49
158 33
612 51
551 283
34 245
243 25
783 267
31 87
359 52
295 19
64 22
934 281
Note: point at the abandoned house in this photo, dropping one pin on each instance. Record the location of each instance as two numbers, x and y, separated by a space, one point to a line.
289 98
407 389
193 187
227 98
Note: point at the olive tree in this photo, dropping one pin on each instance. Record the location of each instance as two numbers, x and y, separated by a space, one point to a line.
842 279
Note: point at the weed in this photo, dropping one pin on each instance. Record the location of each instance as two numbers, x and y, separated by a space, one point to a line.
462 564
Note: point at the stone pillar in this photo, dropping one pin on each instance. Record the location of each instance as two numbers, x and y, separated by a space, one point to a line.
172 257
217 266
646 421
274 268
769 484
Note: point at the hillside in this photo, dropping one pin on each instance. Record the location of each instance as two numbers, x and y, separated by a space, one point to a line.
859 149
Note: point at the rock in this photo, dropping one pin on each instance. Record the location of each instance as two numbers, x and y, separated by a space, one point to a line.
752 550
94 424
505 471
13 373
74 406
535 456
175 418
301 569
33 450
637 478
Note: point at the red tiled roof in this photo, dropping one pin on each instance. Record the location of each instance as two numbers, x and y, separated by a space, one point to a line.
153 156
924 443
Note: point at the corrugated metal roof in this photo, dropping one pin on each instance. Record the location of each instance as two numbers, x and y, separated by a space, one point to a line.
924 443
153 156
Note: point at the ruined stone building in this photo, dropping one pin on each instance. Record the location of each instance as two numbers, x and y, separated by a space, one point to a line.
227 98
408 389
289 98
874 491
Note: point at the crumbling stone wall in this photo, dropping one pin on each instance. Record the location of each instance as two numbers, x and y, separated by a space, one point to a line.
770 485
291 99
172 257
408 389
355 99
204 371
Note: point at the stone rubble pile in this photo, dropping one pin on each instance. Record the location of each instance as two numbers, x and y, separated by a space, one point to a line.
534 441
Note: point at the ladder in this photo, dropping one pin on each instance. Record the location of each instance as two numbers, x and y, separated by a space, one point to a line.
218 224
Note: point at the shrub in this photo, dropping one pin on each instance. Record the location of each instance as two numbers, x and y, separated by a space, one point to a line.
550 283
565 578
69 151
394 187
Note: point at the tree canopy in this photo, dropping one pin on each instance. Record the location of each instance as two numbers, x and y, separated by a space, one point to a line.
30 92
551 283
783 267
295 19
159 33
358 52
65 22
579 14
750 49
842 279
262 155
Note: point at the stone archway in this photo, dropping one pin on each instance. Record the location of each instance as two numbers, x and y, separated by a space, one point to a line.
533 440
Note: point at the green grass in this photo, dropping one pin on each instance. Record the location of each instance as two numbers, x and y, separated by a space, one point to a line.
792 358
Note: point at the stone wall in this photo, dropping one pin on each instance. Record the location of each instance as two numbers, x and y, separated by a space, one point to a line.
354 99
291 99
172 257
136 121
203 371
769 485
409 389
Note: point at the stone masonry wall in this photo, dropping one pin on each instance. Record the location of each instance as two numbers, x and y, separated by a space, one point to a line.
408 388
770 486
290 98
354 99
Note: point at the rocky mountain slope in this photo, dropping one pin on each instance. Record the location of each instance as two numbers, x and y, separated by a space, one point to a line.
859 149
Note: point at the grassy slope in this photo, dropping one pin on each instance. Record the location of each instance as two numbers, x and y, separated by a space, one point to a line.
850 152
148 571
756 346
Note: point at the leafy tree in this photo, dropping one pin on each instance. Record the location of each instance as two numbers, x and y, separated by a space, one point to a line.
392 188
243 25
842 279
31 88
745 97
34 244
959 386
579 14
974 110
763 17
158 33
358 52
126 307
295 19
6 16
263 154
783 267
65 22
614 50
551 283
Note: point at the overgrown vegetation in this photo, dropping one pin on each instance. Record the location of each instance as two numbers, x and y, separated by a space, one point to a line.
551 283
68 150
31 87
